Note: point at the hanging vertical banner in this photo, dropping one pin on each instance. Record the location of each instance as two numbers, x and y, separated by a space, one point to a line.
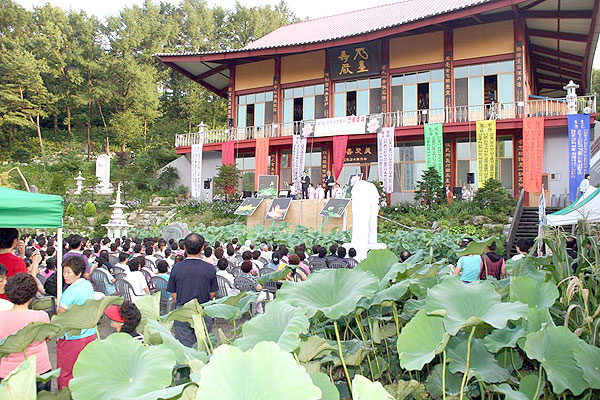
298 156
434 147
486 151
448 165
228 152
533 153
385 158
196 184
261 165
579 150
340 145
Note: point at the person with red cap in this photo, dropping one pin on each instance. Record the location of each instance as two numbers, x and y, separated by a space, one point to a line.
125 318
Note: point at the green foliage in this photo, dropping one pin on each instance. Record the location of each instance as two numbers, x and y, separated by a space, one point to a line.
226 180
89 210
494 197
71 210
430 191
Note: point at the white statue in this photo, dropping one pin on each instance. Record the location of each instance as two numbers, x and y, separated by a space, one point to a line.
103 174
365 208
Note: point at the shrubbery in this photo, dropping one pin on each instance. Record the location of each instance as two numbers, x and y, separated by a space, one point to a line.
89 210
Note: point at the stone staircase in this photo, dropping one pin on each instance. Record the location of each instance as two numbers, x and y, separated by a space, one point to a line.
527 225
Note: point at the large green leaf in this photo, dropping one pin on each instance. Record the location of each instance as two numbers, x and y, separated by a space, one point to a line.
532 292
387 295
471 304
149 307
364 389
482 362
186 391
30 333
185 313
407 389
119 367
266 371
588 359
275 275
434 382
527 389
378 262
182 353
501 338
509 393
420 340
281 323
314 347
62 394
334 292
475 247
85 316
20 383
328 389
553 347
230 308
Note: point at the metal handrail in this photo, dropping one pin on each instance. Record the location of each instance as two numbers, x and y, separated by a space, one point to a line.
515 222
457 114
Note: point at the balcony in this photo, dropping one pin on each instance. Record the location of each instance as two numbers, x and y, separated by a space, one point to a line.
546 107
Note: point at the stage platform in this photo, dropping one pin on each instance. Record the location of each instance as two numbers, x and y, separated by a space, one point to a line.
302 212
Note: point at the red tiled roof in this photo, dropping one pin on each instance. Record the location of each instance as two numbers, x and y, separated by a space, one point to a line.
359 22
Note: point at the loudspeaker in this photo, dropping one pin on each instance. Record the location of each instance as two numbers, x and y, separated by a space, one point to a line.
470 178
207 184
230 122
457 192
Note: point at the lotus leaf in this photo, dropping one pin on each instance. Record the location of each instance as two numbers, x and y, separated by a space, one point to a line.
378 262
185 313
314 347
149 307
553 347
482 364
20 383
537 318
420 340
30 333
388 295
353 350
411 307
139 369
532 292
364 389
588 359
379 333
407 389
224 311
334 292
48 376
85 316
509 393
275 275
465 305
328 389
265 369
475 247
281 323
182 353
500 338
434 382
62 394
527 389
180 392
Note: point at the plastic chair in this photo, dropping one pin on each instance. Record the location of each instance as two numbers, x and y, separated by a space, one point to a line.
159 284
158 257
337 265
236 271
45 303
148 275
317 264
265 271
351 262
263 260
149 264
100 281
118 270
223 284
41 278
120 275
124 289
113 260
244 284
238 259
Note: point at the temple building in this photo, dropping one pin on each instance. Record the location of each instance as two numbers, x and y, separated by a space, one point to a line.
408 64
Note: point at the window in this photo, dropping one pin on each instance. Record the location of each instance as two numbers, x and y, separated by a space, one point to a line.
420 96
408 167
312 165
484 84
357 97
245 164
466 161
303 103
255 109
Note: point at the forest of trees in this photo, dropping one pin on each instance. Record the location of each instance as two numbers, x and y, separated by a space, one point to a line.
68 76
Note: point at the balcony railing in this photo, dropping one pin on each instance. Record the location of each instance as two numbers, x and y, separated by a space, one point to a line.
458 114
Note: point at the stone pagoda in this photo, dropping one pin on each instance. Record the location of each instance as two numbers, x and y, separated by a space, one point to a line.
117 226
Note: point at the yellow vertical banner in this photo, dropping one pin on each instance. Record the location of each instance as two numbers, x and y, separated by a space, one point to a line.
486 151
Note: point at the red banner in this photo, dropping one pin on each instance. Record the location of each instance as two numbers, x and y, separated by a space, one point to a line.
228 152
340 146
533 153
262 159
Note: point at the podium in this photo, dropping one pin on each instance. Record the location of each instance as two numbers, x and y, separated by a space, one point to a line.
304 213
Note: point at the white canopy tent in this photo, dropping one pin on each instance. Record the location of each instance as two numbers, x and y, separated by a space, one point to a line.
586 207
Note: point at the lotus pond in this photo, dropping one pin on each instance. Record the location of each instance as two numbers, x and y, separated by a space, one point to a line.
384 330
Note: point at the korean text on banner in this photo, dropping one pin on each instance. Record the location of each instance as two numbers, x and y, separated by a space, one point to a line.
486 151
385 158
298 156
197 167
340 145
228 152
434 147
533 153
340 125
579 151
261 165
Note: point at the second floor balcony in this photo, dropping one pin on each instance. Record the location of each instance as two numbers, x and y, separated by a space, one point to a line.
543 107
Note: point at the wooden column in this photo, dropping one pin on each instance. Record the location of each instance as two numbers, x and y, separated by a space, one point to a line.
448 68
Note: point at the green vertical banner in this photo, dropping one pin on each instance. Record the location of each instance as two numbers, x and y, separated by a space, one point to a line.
434 147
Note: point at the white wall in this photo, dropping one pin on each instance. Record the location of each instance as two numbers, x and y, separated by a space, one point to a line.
556 159
210 161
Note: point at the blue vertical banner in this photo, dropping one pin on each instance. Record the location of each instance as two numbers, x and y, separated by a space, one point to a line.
579 151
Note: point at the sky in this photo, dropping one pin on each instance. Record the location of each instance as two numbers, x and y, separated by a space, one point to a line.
302 8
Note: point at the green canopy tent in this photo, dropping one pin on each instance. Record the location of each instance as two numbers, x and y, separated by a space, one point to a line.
19 209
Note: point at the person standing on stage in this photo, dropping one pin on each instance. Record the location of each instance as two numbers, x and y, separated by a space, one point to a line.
329 182
305 180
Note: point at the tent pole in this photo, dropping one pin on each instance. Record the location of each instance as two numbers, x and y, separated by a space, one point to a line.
59 256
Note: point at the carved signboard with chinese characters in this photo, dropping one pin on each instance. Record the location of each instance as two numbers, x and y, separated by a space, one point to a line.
354 61
519 72
361 153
